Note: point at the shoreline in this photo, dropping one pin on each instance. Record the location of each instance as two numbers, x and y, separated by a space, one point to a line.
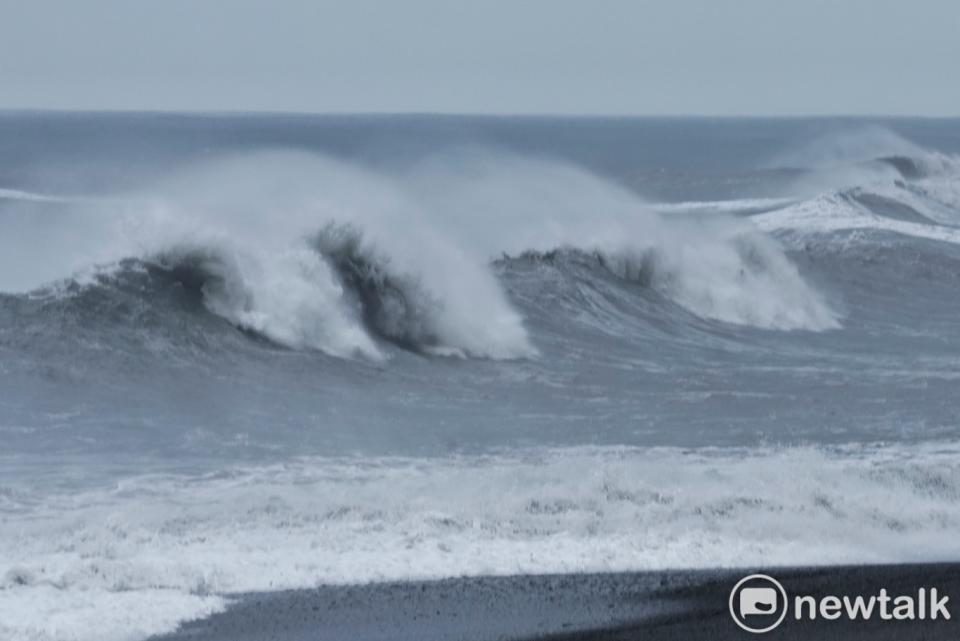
671 604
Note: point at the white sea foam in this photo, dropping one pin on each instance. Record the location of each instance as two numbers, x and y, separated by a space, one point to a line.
937 197
736 206
30 196
836 212
133 558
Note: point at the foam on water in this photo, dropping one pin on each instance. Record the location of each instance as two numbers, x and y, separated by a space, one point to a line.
737 206
28 196
136 556
832 213
932 199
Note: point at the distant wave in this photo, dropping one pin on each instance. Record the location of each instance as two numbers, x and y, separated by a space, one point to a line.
16 194
738 206
922 201
922 165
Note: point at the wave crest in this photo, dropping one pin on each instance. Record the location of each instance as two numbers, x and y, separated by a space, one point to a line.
745 280
395 307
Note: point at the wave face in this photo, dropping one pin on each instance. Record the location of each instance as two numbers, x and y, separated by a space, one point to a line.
375 349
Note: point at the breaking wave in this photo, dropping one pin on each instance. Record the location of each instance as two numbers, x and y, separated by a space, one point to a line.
916 195
317 254
313 253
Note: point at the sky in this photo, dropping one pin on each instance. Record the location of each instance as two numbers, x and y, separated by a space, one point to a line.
612 57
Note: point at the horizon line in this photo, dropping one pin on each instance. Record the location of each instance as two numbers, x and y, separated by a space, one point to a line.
468 114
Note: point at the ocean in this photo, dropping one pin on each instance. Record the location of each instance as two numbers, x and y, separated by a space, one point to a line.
244 353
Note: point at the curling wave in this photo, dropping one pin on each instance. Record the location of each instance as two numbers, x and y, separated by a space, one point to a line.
317 254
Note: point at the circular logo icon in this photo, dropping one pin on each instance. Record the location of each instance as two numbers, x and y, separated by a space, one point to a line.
758 603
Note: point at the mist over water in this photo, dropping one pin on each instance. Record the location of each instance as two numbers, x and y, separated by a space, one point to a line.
464 346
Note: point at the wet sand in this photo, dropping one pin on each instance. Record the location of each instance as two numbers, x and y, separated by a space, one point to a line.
645 605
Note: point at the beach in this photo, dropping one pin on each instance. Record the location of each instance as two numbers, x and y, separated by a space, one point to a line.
644 605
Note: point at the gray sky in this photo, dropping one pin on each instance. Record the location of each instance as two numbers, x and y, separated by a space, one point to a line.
483 56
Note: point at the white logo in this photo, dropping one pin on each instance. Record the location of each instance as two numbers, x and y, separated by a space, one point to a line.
758 603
